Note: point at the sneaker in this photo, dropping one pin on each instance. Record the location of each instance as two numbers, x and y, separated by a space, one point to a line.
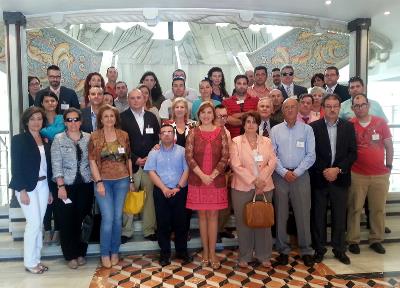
354 248
56 238
47 237
378 248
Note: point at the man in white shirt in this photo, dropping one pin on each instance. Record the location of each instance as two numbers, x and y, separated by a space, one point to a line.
178 90
288 88
265 108
190 94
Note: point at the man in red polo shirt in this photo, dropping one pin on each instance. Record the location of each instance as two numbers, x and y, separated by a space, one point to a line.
112 76
238 104
369 175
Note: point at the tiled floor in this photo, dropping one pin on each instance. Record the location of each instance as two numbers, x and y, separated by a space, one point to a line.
144 271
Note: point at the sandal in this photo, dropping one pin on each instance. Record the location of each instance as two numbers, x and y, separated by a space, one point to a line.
266 264
43 267
215 265
205 263
34 270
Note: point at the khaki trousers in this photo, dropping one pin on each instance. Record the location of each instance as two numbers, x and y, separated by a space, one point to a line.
142 182
376 188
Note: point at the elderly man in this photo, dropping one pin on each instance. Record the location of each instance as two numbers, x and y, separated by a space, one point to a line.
143 130
66 97
356 86
331 77
369 175
190 94
306 104
89 114
336 150
259 88
294 145
238 104
112 76
277 101
121 92
288 88
178 89
168 171
265 108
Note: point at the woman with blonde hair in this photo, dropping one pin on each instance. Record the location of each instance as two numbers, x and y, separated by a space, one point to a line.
207 154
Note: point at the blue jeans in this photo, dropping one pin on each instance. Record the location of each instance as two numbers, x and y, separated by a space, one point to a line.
111 206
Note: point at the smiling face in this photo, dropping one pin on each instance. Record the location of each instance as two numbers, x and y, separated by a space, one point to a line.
54 77
317 98
250 125
222 116
205 90
180 110
178 88
34 86
108 118
306 104
360 106
167 134
95 81
96 96
49 104
287 76
136 100
290 109
73 122
206 115
265 108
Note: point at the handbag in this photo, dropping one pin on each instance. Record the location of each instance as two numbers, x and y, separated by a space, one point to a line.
259 214
87 227
134 202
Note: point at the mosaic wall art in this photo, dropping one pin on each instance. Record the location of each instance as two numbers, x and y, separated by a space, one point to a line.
49 46
306 51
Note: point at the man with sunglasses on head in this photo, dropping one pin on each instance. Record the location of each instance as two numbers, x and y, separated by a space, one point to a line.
356 86
369 175
288 88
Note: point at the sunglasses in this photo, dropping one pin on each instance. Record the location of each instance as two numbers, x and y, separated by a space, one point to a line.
76 119
288 74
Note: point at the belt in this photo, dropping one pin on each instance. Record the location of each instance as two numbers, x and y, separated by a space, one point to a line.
290 169
41 178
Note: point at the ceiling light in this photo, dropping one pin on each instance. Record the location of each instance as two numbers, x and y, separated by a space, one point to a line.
386 13
328 2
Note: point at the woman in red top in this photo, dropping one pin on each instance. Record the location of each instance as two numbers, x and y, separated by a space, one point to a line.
207 153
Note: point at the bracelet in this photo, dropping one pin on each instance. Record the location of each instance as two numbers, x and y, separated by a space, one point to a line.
131 180
99 181
59 186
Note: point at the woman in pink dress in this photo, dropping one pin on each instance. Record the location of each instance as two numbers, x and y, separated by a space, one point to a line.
207 154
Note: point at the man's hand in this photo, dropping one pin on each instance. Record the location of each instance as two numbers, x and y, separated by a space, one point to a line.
140 161
290 176
330 174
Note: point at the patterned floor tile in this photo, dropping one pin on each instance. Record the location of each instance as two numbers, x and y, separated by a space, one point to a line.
145 271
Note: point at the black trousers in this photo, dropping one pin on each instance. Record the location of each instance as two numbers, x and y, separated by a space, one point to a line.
337 197
171 217
71 217
51 212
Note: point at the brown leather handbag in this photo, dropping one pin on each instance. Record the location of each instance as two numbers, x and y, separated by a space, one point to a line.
259 214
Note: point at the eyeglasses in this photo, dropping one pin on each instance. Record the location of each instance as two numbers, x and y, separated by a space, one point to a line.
223 117
332 107
69 120
288 74
360 106
167 132
35 84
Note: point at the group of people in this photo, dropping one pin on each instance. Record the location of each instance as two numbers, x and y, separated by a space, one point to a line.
207 152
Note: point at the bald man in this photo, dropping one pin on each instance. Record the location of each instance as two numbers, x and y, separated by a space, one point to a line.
294 145
277 100
265 108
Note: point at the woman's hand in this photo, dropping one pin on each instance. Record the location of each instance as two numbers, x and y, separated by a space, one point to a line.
206 179
132 187
24 197
101 189
62 193
50 199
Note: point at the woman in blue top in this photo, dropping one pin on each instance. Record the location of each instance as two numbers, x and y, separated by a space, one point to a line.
53 125
205 88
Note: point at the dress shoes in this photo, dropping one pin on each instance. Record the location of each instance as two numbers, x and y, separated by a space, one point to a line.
341 256
124 239
282 259
165 260
226 234
185 257
354 248
378 248
308 260
319 255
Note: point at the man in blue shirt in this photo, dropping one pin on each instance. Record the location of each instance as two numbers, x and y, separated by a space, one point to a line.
168 171
294 145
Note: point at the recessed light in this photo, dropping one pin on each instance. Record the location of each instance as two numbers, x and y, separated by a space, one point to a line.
328 2
386 13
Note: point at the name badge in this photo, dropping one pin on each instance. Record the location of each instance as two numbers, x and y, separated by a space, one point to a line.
64 106
258 158
300 144
240 102
149 130
375 137
121 150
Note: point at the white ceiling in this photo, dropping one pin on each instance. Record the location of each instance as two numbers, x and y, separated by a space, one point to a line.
343 10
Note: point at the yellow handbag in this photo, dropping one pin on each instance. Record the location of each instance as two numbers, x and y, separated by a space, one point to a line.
134 202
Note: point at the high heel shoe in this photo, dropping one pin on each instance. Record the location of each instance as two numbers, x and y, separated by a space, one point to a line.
114 259
34 270
105 262
215 265
205 263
